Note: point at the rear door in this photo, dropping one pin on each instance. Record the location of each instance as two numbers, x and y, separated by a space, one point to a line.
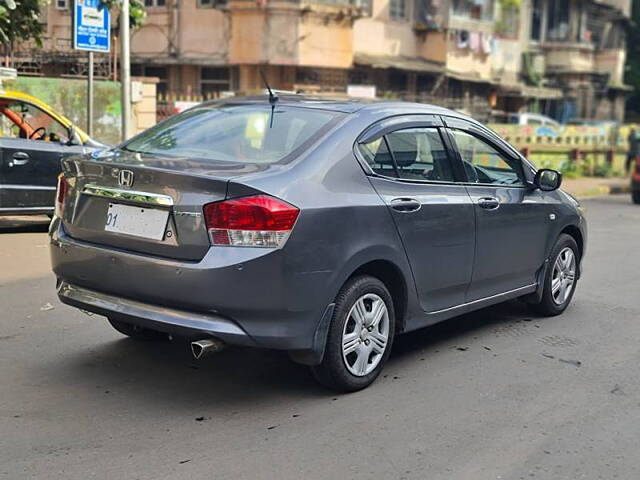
512 220
413 172
31 147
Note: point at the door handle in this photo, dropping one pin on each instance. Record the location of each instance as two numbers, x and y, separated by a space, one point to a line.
489 203
405 205
19 158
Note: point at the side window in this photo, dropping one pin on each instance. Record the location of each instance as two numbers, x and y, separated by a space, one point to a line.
23 120
485 164
420 154
378 157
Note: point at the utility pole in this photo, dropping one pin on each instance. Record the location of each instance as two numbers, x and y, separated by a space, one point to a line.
125 69
90 96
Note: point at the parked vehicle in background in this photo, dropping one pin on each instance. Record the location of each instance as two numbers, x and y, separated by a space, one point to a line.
635 181
33 140
526 118
323 228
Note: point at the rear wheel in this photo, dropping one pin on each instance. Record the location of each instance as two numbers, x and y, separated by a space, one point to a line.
137 332
561 277
360 336
635 196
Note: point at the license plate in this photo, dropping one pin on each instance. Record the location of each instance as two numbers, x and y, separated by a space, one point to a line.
137 221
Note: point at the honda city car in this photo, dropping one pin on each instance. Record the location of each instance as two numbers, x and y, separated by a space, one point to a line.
323 228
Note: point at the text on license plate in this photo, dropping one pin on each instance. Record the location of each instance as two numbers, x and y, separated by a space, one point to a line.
136 221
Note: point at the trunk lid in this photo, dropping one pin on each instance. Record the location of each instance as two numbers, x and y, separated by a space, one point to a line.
145 204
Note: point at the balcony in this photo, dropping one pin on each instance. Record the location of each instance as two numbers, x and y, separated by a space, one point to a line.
624 6
315 33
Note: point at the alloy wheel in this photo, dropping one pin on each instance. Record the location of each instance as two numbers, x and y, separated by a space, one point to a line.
563 276
365 335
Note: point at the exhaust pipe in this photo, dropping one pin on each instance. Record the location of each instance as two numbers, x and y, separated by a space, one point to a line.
202 348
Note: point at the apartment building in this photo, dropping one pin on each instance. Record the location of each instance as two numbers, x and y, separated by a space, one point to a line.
489 57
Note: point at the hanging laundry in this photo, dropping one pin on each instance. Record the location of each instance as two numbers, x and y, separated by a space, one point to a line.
462 39
474 41
487 43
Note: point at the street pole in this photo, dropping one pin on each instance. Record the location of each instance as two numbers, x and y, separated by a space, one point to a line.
90 96
125 69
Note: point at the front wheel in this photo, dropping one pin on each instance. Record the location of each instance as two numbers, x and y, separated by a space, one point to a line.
635 196
360 336
561 277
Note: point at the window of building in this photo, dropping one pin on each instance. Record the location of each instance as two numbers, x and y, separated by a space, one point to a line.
206 3
155 3
537 14
62 4
557 21
510 22
161 73
397 9
475 9
214 80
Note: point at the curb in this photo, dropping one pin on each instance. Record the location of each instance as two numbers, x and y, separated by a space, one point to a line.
603 190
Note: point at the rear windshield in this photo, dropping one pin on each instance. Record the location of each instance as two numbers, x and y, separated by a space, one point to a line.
236 133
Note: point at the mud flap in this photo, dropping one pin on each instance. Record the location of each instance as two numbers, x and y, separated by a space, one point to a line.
316 354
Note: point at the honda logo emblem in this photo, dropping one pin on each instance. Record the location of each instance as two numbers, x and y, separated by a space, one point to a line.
125 178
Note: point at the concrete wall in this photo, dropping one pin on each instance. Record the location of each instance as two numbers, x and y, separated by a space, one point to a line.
381 35
189 32
144 110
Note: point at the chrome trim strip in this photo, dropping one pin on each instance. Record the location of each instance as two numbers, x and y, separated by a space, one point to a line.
128 195
26 209
26 187
480 300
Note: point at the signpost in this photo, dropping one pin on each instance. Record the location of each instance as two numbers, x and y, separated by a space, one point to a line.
92 33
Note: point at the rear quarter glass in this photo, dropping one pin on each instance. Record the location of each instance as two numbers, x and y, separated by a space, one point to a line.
237 133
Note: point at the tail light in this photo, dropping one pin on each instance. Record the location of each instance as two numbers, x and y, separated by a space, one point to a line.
257 221
61 193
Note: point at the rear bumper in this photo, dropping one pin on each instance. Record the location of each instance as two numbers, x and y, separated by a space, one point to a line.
251 297
172 321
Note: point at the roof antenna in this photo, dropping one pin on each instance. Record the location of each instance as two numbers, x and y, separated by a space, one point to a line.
273 98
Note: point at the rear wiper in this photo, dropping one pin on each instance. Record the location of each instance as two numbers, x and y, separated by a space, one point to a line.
273 98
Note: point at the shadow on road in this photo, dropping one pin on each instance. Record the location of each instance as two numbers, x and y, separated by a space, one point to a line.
25 224
237 378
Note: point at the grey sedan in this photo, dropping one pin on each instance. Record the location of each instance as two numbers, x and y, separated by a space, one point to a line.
322 228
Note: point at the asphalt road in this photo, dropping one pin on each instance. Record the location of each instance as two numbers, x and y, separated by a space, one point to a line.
498 394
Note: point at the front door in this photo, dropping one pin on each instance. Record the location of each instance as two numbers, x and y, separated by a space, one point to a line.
415 177
512 219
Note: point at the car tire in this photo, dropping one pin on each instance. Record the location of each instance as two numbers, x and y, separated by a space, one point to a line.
358 342
136 332
563 268
635 196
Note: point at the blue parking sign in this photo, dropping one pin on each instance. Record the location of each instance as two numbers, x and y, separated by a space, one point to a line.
91 26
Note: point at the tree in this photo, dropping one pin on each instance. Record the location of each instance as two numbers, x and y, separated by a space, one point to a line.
137 12
20 21
632 74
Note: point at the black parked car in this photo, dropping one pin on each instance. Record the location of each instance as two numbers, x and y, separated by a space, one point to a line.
33 140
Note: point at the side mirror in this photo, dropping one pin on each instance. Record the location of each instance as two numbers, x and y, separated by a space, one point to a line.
547 180
73 137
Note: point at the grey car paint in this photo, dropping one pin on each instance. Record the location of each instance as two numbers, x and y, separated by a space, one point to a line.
447 258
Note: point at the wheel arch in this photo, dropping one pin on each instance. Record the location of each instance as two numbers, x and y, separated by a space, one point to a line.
576 234
394 279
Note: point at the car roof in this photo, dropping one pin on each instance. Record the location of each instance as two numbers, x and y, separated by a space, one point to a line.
344 105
